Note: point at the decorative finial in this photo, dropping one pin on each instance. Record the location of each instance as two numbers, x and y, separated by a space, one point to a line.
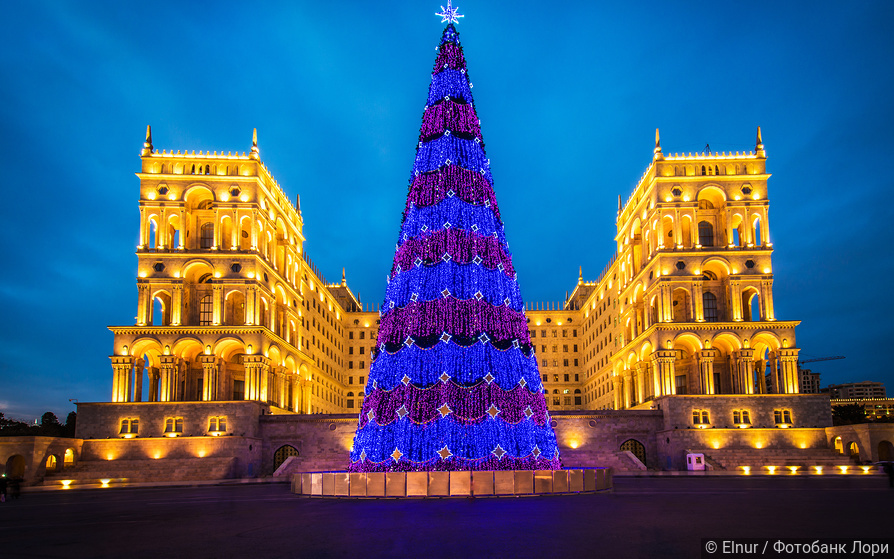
255 154
147 145
759 144
580 275
343 280
619 203
658 155
449 14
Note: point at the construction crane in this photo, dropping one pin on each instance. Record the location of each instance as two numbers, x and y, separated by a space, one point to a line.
833 357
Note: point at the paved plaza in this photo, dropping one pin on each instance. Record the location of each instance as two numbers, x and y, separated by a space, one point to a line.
643 517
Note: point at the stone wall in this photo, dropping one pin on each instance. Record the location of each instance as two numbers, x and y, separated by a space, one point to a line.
103 420
807 410
35 451
323 441
871 439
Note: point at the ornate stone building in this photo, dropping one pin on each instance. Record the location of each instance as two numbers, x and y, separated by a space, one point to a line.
230 307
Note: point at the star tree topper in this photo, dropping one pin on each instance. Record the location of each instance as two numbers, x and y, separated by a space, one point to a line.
449 15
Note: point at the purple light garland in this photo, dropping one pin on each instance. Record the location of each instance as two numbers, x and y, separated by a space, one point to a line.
461 247
449 116
456 464
463 318
431 187
451 56
467 405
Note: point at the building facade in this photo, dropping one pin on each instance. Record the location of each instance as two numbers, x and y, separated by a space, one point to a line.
857 391
230 307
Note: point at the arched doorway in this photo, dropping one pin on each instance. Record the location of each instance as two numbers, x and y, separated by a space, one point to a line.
52 463
853 451
839 446
69 458
15 466
885 451
282 453
636 448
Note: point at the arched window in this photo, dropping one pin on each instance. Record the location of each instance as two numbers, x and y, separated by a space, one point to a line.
710 306
217 425
853 451
69 458
51 463
207 235
705 234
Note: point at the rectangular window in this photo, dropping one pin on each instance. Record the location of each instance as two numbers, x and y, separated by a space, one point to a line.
564 363
543 349
564 333
574 334
577 401
533 333
350 364
567 377
680 384
362 335
782 417
575 348
565 348
363 364
350 335
543 363
362 350
544 378
351 350
567 400
555 378
575 363
238 389
576 377
543 333
206 311
700 417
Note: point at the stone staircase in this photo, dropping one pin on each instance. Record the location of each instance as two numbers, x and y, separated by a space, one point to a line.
140 471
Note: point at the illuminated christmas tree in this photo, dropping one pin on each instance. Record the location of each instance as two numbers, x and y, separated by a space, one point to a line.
454 383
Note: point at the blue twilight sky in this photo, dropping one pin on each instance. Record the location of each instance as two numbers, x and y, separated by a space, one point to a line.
569 98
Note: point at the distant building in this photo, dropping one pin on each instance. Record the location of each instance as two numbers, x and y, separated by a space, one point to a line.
810 381
856 390
876 408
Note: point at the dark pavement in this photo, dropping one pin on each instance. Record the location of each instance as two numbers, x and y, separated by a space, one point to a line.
644 517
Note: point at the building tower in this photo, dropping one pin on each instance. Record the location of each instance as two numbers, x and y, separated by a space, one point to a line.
454 385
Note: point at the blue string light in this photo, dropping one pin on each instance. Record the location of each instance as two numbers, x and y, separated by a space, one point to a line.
465 153
465 365
449 83
417 443
458 213
463 280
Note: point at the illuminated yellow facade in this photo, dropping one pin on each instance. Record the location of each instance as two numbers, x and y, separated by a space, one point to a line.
686 304
230 307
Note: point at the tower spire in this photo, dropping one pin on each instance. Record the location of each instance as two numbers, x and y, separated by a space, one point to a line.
759 145
658 155
343 280
147 145
255 154
580 275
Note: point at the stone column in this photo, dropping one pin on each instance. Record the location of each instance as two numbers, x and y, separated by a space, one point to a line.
250 305
628 389
788 370
143 303
122 367
209 377
760 375
153 384
168 378
138 379
665 374
775 384
617 391
216 303
256 368
735 293
706 371
177 305
744 361
640 382
667 303
698 301
767 299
